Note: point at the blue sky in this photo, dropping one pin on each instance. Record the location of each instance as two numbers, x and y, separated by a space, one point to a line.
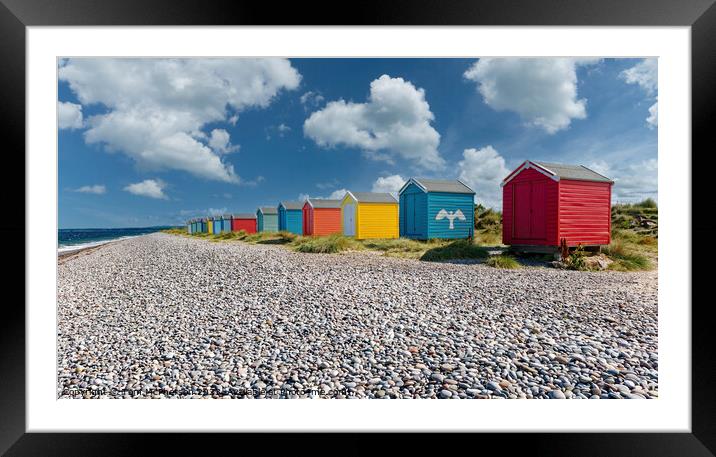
147 142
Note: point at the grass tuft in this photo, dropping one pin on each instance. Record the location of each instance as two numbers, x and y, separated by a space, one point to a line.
503 261
325 244
455 250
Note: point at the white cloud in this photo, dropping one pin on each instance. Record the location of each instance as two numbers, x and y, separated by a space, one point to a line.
390 184
645 74
157 108
153 188
311 99
97 189
633 181
283 128
338 194
394 121
543 91
483 170
216 211
69 115
653 119
220 141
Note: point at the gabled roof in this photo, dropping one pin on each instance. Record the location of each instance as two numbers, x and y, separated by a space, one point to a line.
372 197
453 186
226 216
291 205
268 210
559 171
244 216
323 203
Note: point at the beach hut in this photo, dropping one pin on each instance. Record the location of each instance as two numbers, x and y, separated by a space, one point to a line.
243 221
189 227
321 217
369 215
226 223
543 203
210 225
290 217
201 225
431 208
267 219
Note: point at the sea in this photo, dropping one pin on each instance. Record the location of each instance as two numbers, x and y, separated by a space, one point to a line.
75 239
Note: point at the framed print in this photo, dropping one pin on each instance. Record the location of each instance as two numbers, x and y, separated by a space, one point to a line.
412 203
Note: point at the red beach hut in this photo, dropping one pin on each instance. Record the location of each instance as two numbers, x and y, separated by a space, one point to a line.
543 203
246 222
321 217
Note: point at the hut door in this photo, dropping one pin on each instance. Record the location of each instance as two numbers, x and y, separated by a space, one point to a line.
349 219
529 216
521 217
409 216
538 219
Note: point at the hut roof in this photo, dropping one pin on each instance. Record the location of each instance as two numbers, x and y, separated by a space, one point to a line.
324 203
453 186
292 205
373 197
268 210
244 216
576 172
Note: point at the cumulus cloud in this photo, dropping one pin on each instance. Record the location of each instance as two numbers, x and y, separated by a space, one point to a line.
395 120
220 141
311 99
157 108
483 170
97 189
69 115
543 91
653 119
646 75
152 188
391 184
633 181
216 211
337 194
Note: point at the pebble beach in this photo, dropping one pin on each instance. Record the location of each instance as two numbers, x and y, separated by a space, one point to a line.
166 316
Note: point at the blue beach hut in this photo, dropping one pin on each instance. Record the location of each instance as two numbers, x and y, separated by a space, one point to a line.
290 217
267 219
216 225
190 227
226 223
202 225
431 208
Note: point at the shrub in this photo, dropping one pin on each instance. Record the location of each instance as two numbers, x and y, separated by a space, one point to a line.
648 203
503 261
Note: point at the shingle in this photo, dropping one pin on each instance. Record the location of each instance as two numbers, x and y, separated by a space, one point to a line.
438 185
374 197
576 172
292 205
268 210
244 216
324 203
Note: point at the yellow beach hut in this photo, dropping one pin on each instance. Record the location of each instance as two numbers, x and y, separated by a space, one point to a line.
210 225
369 215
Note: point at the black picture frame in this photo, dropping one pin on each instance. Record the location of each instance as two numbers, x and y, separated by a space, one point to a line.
16 15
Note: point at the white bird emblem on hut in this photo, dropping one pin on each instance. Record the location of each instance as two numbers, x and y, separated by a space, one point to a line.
450 215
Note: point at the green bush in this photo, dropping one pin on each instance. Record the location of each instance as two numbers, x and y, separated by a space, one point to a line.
647 203
503 261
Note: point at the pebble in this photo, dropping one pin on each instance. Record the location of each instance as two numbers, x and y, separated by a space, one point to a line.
180 317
